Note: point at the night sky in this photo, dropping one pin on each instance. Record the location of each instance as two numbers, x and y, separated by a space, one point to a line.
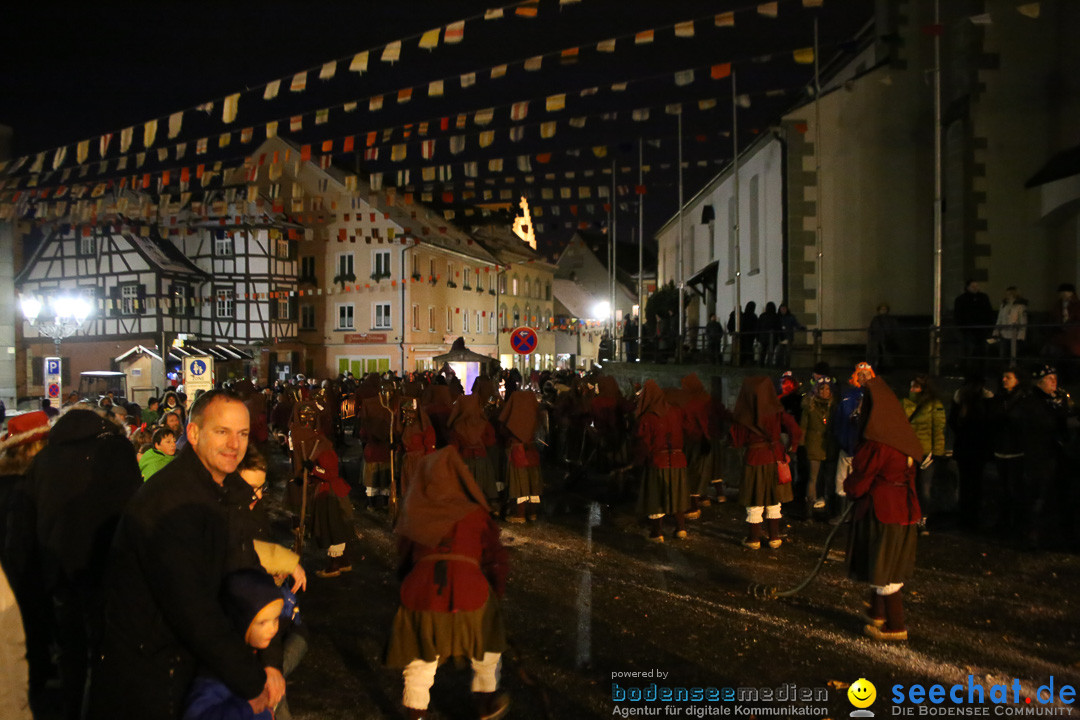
72 72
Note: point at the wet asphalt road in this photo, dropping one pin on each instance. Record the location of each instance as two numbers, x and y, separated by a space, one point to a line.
589 598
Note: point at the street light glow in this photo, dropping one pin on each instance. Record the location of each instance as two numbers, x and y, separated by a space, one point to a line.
31 307
602 310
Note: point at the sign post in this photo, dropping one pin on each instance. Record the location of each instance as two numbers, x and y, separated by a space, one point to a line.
52 379
198 375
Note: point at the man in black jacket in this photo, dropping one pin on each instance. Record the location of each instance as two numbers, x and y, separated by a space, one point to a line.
163 617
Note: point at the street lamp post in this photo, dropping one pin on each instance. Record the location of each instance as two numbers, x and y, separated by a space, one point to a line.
65 316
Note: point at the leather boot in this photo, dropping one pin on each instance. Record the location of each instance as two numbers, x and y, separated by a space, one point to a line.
875 609
519 513
491 705
656 530
695 508
680 525
894 628
718 486
774 533
532 512
753 536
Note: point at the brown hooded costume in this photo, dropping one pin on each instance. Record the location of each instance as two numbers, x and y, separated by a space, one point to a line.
660 436
375 426
759 422
417 440
697 443
882 483
451 560
473 435
520 418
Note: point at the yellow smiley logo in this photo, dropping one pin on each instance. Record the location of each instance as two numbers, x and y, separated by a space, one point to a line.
862 693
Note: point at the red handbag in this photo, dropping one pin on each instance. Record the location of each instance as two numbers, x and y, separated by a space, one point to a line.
783 470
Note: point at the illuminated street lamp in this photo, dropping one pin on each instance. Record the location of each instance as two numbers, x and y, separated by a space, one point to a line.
65 316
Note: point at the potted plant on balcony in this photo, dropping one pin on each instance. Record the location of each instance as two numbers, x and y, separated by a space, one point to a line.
343 278
417 277
450 283
377 276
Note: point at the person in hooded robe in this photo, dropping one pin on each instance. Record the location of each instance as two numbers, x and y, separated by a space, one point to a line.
660 436
328 492
453 569
375 427
519 419
697 442
474 436
417 440
368 389
885 530
607 412
486 389
437 401
759 421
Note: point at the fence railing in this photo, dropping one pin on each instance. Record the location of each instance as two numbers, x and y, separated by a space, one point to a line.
986 348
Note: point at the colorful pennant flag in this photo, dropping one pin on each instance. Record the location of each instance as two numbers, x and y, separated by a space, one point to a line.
359 63
533 64
485 116
644 37
519 110
228 110
498 71
299 82
725 20
717 72
272 88
803 56
556 102
149 133
684 77
430 39
455 32
684 29
468 80
769 9
328 70
392 52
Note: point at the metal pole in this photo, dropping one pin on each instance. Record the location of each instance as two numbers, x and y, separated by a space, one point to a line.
641 248
735 219
611 267
818 149
679 249
935 340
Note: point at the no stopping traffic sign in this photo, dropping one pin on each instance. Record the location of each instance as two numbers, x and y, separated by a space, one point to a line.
523 340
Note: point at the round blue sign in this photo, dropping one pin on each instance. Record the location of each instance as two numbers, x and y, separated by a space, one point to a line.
198 368
523 340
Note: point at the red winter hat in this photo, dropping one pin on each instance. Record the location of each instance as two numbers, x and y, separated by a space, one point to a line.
26 428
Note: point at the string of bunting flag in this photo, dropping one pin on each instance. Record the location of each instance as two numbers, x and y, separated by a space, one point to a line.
681 29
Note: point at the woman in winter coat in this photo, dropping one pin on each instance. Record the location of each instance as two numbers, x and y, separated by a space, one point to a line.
885 528
453 571
818 442
759 421
927 417
660 436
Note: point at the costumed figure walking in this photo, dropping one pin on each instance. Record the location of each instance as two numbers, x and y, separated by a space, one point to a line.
759 421
697 443
327 492
453 569
474 437
665 490
885 528
519 418
417 440
375 429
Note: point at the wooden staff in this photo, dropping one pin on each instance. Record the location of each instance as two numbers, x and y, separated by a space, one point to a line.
298 544
393 500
